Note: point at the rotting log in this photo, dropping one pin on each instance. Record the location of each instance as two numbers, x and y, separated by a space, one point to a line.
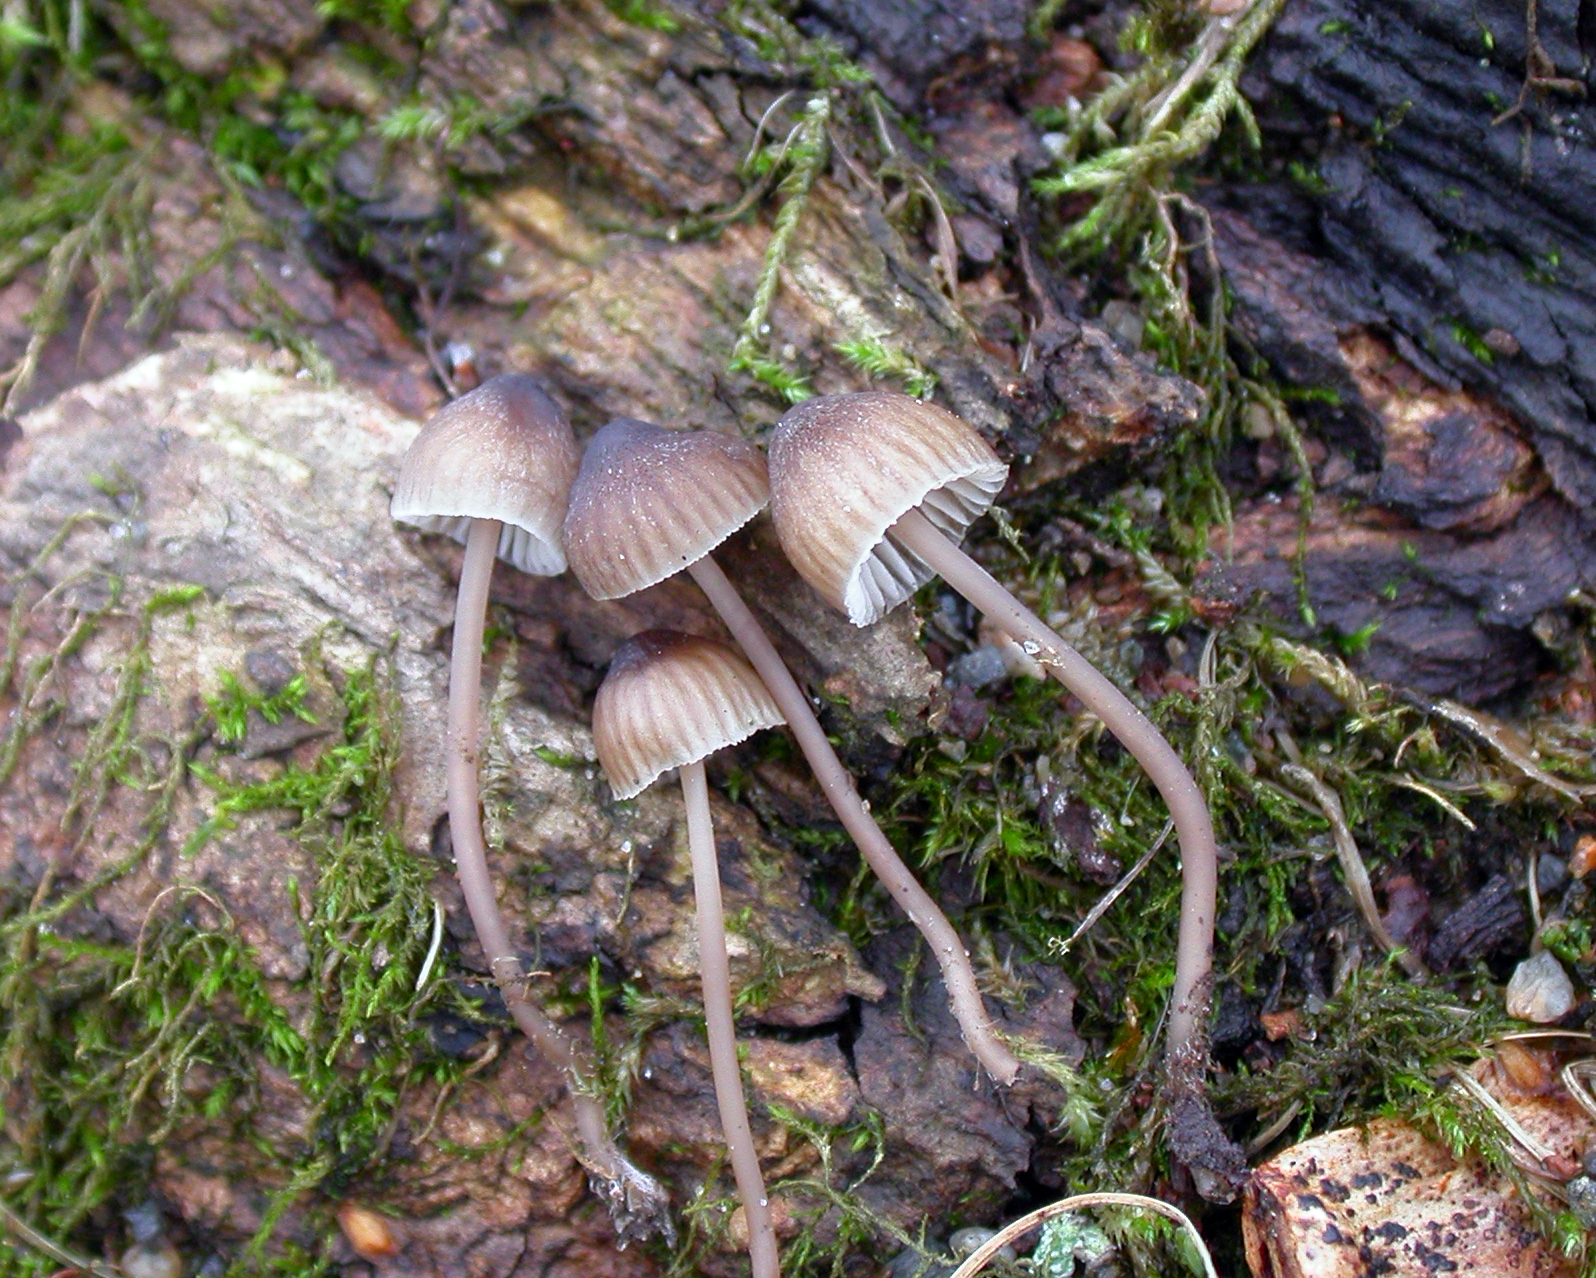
1454 190
598 232
1427 283
243 546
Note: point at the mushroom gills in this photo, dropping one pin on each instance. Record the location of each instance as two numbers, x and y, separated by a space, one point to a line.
517 547
891 573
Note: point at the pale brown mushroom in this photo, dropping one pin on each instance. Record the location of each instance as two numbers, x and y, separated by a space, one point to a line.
651 502
494 469
871 493
671 700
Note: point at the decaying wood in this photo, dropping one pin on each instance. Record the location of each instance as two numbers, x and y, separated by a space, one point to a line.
271 494
1467 226
611 247
1438 535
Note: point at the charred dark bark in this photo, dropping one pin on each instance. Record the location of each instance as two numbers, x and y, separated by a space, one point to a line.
1457 191
1433 291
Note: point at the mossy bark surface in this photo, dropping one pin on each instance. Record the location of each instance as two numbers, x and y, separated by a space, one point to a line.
236 986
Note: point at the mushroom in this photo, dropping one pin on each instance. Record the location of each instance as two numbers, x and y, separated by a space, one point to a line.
670 700
650 502
493 469
871 493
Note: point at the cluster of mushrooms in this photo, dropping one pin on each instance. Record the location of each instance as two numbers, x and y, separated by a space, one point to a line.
871 494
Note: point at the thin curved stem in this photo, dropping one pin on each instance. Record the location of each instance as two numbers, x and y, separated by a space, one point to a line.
958 975
715 974
1353 871
1194 827
476 882
976 1262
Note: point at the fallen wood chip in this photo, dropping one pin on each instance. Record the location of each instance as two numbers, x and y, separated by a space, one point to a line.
1385 1199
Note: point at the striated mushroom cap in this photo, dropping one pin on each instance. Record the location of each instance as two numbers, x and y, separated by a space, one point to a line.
504 451
845 468
649 501
670 699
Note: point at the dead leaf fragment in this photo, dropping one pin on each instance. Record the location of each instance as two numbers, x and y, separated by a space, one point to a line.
370 1234
1385 1199
1583 861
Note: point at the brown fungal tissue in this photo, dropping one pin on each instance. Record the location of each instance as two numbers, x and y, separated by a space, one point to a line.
494 469
671 700
650 502
871 493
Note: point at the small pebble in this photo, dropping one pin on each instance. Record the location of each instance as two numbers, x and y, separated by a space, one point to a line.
1551 873
152 1260
1125 321
144 1222
1584 858
1257 422
1500 342
966 1241
916 1264
1540 990
977 668
1581 1191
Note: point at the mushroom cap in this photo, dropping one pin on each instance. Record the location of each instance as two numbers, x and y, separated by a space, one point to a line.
503 451
649 501
845 468
670 699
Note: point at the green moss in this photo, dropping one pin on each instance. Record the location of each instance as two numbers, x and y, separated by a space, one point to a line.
299 152
1307 178
80 187
875 358
1356 641
1472 342
1122 148
231 707
833 1225
77 204
63 999
790 387
1374 1047
842 104
975 802
1388 123
616 1063
1544 268
819 60
80 191
385 15
805 157
115 1050
1569 939
1126 157
645 13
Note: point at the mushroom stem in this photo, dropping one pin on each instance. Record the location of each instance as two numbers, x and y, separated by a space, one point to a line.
715 973
1188 1013
957 973
471 860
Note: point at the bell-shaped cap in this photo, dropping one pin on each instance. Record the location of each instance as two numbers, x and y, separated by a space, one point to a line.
649 501
670 699
503 451
845 468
